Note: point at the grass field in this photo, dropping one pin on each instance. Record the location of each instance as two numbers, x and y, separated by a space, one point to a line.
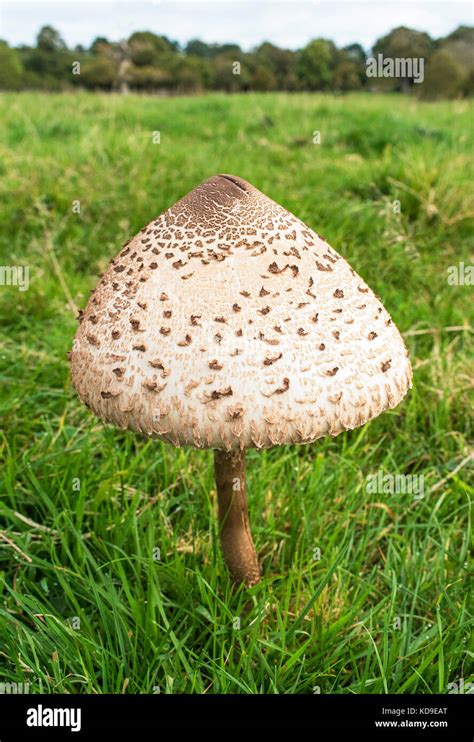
361 592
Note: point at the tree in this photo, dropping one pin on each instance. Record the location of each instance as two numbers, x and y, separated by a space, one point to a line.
459 46
316 63
350 71
198 48
263 79
148 49
49 64
49 40
99 74
10 68
150 79
444 78
230 49
347 76
190 73
355 52
98 44
279 63
403 43
230 73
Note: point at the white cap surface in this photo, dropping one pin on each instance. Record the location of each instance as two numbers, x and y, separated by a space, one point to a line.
228 323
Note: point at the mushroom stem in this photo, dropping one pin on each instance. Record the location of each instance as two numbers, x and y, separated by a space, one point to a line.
236 539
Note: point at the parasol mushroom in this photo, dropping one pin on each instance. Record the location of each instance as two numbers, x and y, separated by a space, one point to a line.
227 323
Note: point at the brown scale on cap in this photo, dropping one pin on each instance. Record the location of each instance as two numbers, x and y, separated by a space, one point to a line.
235 412
270 341
215 365
156 363
324 268
218 393
108 395
304 283
153 386
269 360
283 388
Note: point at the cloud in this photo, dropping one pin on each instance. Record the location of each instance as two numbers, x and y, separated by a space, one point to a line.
287 24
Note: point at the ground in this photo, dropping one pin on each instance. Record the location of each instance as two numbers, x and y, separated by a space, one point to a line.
112 578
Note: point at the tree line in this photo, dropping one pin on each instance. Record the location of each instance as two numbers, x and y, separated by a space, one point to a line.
148 62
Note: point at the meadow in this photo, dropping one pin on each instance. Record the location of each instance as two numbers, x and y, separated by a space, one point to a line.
111 574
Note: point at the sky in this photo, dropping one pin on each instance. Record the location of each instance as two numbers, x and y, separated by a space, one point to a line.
285 23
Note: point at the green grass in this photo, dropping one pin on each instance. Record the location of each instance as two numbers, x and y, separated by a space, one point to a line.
385 609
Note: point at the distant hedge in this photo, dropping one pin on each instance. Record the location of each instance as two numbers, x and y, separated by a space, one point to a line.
151 63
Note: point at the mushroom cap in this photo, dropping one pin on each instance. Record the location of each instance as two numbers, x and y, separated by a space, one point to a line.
228 323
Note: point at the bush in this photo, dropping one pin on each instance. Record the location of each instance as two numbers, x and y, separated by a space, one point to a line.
149 78
263 79
99 74
444 78
316 64
347 76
